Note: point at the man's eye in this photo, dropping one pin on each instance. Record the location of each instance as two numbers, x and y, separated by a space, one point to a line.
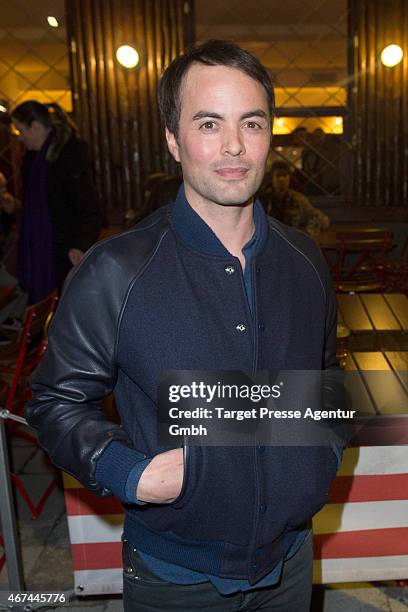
253 125
208 125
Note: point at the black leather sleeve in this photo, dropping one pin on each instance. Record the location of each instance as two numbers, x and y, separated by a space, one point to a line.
79 369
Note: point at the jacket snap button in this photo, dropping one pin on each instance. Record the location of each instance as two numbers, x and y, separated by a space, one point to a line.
240 327
230 270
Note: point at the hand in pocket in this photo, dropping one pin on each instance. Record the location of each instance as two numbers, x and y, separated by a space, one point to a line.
162 480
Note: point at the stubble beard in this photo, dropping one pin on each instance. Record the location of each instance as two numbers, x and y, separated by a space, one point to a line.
230 193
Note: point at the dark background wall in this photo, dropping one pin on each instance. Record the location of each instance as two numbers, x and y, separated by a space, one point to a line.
115 108
379 107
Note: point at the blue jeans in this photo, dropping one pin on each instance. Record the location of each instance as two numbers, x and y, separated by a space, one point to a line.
145 592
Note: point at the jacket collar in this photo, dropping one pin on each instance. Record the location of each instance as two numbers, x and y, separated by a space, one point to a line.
193 230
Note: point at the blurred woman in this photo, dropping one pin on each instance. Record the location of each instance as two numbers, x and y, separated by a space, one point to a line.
61 214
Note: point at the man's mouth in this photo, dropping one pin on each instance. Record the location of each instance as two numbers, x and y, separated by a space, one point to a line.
232 173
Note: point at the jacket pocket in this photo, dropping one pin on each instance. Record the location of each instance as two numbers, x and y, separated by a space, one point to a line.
217 498
184 495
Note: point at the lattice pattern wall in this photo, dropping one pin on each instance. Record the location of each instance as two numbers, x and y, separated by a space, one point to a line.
34 64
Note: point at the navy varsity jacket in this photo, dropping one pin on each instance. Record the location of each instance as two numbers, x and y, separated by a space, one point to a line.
156 299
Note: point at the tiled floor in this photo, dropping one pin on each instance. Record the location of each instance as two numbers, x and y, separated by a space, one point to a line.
47 560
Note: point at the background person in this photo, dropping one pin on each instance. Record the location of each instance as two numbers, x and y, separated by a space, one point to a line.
290 206
13 300
61 213
8 209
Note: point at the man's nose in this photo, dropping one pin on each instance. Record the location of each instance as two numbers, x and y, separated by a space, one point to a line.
233 142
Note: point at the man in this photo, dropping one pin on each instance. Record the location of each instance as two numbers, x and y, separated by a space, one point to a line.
290 206
208 283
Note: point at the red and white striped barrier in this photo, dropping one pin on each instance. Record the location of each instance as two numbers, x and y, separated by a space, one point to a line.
361 534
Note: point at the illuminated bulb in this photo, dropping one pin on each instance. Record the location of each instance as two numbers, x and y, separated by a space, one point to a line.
338 121
127 56
279 122
391 55
3 109
52 21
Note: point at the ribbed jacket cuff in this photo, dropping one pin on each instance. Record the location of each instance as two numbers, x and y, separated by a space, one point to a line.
114 467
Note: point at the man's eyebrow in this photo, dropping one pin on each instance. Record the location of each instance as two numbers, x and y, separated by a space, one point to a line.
255 113
204 114
258 112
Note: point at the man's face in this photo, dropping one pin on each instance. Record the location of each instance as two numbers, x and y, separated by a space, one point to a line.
224 135
33 136
280 181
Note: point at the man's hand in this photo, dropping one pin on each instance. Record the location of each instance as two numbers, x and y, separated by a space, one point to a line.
75 256
161 481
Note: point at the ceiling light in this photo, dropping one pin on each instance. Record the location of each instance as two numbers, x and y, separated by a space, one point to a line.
127 56
3 109
391 55
52 21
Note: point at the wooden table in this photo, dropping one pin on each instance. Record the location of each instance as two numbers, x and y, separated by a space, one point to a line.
379 319
383 381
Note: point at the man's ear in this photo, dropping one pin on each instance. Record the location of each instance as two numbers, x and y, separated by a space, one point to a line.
172 145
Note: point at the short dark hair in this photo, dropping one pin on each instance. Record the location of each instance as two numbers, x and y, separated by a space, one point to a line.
280 166
210 53
30 111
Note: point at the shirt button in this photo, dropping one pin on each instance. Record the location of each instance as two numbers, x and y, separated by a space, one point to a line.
240 327
262 508
230 270
261 326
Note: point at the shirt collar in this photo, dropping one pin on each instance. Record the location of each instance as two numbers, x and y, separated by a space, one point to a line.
194 231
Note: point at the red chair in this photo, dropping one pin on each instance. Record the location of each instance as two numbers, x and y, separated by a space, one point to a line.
355 267
17 361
